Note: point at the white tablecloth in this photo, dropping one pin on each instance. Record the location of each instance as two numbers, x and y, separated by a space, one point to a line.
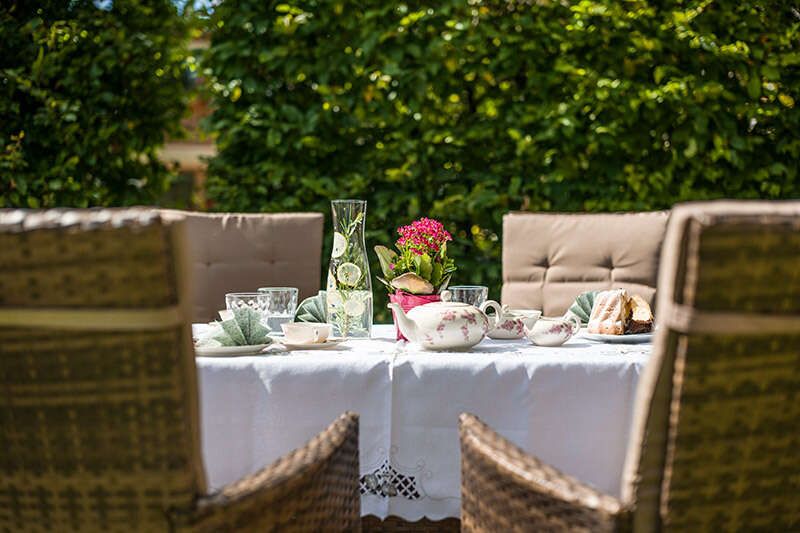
570 405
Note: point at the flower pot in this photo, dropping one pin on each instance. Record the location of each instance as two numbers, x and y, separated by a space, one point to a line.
409 302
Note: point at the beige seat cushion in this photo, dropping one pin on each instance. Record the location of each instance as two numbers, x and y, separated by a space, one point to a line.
232 252
550 258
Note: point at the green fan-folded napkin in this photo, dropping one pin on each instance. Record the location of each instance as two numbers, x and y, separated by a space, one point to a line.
244 329
313 309
582 306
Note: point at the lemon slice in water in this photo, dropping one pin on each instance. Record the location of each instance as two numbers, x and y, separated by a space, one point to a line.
339 245
348 273
334 298
354 306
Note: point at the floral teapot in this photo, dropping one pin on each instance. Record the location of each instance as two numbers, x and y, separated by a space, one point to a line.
446 325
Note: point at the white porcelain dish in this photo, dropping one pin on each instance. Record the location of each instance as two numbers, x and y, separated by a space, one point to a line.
330 343
229 351
635 338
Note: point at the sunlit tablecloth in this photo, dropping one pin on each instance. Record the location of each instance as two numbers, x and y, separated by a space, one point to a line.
570 405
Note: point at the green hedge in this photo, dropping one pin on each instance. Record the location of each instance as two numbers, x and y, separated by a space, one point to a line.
472 108
87 95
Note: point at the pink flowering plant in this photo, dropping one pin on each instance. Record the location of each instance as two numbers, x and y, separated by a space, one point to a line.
420 265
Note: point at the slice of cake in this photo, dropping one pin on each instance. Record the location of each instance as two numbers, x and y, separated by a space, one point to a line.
641 319
610 312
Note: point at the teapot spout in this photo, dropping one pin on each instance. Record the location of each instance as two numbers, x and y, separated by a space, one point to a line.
407 326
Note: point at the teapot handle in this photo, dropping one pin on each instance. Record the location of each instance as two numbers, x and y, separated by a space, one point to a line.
576 322
498 312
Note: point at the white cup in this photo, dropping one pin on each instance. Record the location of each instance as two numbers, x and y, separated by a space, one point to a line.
305 332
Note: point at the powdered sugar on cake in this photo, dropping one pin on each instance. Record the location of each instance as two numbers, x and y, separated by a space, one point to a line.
610 312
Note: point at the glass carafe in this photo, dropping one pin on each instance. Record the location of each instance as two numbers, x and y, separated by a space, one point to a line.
349 289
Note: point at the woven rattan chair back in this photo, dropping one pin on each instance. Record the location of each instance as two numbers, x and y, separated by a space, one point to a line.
313 488
717 430
98 411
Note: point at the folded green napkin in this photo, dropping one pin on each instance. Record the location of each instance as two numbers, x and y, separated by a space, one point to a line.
313 309
244 329
582 306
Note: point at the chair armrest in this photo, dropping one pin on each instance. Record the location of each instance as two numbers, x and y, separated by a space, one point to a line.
312 488
505 489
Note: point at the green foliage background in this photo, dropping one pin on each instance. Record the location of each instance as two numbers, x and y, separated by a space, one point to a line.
87 95
462 111
465 109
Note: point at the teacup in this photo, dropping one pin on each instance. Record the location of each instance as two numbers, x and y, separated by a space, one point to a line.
305 332
511 323
553 331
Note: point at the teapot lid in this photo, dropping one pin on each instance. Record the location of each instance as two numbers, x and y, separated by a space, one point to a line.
446 304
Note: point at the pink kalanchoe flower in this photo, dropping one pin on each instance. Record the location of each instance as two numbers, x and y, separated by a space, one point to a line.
423 236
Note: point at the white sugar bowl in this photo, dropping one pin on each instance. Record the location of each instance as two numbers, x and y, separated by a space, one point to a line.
553 331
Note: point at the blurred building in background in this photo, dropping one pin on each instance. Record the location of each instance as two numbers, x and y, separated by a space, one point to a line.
188 154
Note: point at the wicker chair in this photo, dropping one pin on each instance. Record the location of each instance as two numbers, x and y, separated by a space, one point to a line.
716 430
99 416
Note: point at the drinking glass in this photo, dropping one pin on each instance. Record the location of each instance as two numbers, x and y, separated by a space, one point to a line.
279 305
469 294
240 300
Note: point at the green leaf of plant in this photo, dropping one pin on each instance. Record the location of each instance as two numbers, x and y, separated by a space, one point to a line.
691 148
436 274
754 86
424 266
386 257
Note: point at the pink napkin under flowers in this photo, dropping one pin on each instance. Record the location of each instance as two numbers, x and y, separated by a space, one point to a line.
408 302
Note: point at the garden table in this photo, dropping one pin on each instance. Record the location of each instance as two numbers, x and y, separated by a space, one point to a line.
569 405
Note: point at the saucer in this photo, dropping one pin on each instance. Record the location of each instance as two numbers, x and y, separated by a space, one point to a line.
229 351
630 338
330 343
